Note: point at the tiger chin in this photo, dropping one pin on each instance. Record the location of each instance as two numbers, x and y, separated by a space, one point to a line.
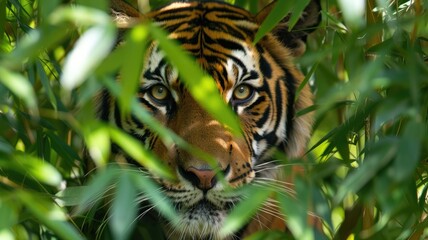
259 82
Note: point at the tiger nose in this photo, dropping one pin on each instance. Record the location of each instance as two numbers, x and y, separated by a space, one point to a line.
203 179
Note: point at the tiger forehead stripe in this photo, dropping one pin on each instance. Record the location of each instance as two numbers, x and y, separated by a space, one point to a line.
219 36
182 7
214 16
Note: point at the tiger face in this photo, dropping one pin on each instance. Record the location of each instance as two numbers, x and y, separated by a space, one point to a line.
259 82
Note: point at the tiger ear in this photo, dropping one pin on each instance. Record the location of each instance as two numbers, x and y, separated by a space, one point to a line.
123 7
124 14
296 38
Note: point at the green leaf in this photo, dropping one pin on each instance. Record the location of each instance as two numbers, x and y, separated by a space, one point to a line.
19 86
100 4
255 197
97 188
305 81
46 7
139 153
409 150
71 196
390 109
80 16
5 146
155 196
98 142
353 12
46 85
8 211
2 21
200 85
296 211
381 154
50 215
61 147
91 48
130 75
6 234
270 235
112 63
40 170
124 208
34 43
298 8
279 11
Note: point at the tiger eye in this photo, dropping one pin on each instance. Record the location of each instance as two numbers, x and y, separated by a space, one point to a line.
159 92
242 92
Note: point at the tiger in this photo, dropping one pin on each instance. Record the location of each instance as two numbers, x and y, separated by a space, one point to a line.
259 82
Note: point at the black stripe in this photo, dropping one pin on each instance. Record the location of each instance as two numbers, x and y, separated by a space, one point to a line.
290 84
142 138
278 101
192 41
104 107
174 17
223 28
233 17
242 176
230 44
117 117
224 55
175 11
265 67
148 105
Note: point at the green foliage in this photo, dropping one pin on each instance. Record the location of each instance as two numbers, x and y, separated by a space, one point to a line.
366 170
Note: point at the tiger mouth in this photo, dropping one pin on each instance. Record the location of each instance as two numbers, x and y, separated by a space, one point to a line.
204 205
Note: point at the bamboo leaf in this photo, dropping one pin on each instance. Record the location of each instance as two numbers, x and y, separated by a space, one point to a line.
70 196
296 211
96 188
130 75
50 215
98 142
19 86
382 153
8 212
34 43
409 150
36 168
139 153
298 8
155 195
91 48
46 85
124 208
279 11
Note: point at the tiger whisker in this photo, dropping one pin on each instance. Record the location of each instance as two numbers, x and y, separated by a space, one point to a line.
283 163
281 189
277 163
276 181
259 169
258 217
273 213
141 215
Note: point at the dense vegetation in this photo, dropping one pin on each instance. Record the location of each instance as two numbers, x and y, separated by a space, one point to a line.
367 161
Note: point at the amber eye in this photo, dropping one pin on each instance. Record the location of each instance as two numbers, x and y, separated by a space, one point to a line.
242 92
159 92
